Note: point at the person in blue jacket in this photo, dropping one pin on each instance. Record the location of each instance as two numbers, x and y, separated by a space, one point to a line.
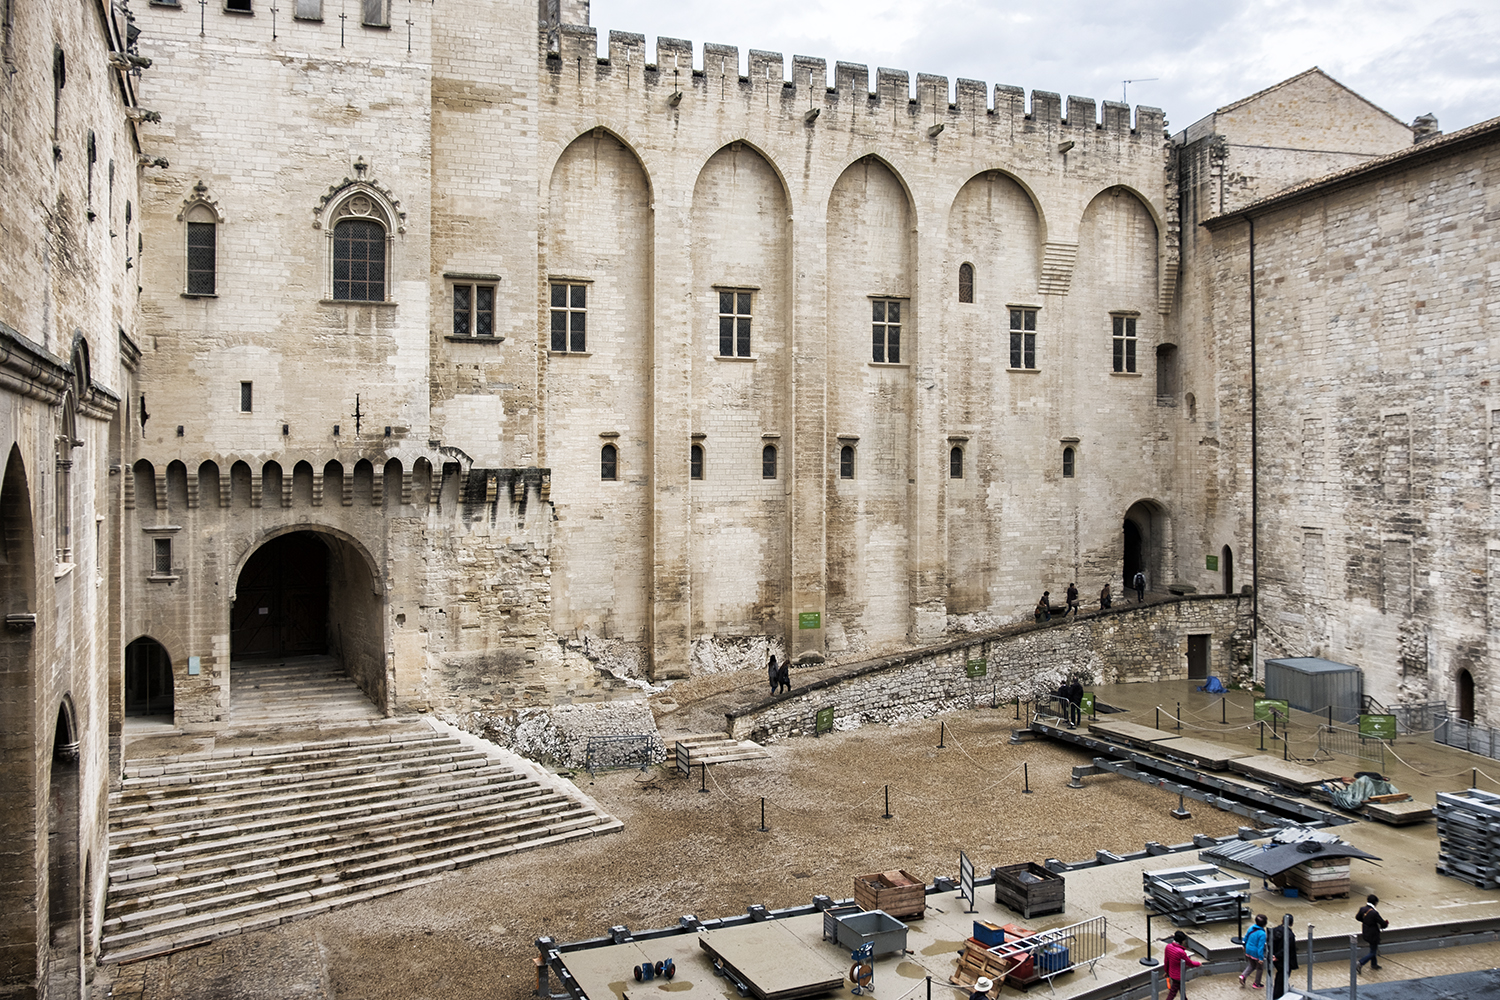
1255 951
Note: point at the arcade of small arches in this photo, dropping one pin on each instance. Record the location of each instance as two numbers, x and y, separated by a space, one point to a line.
306 485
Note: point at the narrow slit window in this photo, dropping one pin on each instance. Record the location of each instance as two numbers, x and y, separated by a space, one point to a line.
955 463
768 462
609 465
1067 463
202 258
247 396
162 557
695 462
846 462
966 282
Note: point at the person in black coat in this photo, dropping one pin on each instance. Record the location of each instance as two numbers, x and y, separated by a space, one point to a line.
773 673
1373 923
1075 702
1283 955
784 676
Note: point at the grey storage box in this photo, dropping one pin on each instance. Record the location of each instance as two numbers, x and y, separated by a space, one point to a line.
852 927
1312 685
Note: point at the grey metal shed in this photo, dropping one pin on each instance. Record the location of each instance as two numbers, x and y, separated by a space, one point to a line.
1313 684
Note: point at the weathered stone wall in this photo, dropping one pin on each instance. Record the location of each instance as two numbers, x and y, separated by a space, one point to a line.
1378 421
1147 644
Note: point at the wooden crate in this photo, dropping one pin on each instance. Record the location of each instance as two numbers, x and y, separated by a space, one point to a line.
899 893
1029 889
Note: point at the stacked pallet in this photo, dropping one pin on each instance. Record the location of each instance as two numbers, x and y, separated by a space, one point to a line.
1197 894
1320 879
1008 959
1468 824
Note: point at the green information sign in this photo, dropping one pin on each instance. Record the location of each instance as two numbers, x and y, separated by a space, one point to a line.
1212 562
1265 706
977 668
823 721
1087 705
1380 727
810 619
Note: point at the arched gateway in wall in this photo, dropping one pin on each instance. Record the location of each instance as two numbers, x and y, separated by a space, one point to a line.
1146 544
307 594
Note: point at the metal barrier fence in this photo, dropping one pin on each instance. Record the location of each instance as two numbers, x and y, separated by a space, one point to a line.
1063 949
1349 742
607 753
1423 718
1466 736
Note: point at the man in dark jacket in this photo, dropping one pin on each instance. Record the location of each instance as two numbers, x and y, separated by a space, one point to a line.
1373 923
1075 702
1283 955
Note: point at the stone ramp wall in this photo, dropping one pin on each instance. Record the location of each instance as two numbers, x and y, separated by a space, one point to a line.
1128 643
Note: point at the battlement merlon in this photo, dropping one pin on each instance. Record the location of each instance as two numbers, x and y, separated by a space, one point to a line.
577 46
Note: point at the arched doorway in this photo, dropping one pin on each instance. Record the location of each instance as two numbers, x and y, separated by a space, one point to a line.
310 597
64 890
1466 696
1146 545
1226 567
148 678
281 601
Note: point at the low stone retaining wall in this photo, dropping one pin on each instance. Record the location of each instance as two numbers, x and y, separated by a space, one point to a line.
1129 643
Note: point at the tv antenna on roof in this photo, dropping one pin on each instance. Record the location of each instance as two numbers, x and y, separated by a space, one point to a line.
1126 83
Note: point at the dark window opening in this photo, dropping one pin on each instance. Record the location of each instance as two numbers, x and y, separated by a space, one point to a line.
247 396
695 462
886 327
768 462
966 282
1124 340
609 462
473 310
375 13
1023 338
359 261
202 254
162 562
956 463
238 6
1166 375
846 462
1067 463
734 324
569 317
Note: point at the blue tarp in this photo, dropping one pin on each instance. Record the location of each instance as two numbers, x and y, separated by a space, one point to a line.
1214 686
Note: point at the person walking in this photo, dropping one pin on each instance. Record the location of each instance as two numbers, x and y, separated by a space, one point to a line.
784 676
1075 702
1072 601
1283 955
1178 962
1139 583
1255 951
1044 607
773 673
982 987
1373 923
1104 598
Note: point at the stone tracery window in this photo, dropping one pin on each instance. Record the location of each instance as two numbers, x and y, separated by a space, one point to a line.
360 219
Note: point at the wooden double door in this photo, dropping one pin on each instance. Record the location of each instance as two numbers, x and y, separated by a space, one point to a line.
281 602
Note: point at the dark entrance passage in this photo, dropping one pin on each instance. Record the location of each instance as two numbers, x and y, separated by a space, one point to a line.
1226 566
281 603
1466 696
1133 564
148 678
1198 657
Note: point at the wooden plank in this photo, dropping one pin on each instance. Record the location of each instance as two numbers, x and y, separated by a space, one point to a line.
1201 753
773 961
1399 813
1283 772
1131 732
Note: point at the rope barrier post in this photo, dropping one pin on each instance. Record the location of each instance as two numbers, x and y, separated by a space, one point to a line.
1286 739
704 786
1474 778
929 988
1309 957
1158 716
1239 920
763 815
1224 710
1018 708
1026 773
1353 967
1148 960
1262 734
887 803
1179 715
942 736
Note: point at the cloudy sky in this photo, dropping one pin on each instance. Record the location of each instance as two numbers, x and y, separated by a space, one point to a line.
1407 56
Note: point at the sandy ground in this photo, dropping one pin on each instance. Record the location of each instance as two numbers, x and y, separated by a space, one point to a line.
686 851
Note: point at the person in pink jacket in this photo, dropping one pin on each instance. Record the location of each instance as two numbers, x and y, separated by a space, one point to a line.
1178 961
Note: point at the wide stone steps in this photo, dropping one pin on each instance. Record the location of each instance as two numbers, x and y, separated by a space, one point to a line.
295 693
245 838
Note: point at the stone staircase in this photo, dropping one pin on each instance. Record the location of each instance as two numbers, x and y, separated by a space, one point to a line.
300 692
252 836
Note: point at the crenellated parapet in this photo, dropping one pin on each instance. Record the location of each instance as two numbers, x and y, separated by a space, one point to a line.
806 87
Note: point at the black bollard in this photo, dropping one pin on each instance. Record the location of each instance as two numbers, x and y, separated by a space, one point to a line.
704 786
1158 716
1148 960
1026 773
1179 715
1224 711
942 736
763 815
887 803
1018 708
1239 913
1262 734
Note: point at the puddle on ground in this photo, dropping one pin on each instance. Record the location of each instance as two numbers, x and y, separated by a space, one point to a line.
675 987
618 989
911 970
1120 907
943 947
